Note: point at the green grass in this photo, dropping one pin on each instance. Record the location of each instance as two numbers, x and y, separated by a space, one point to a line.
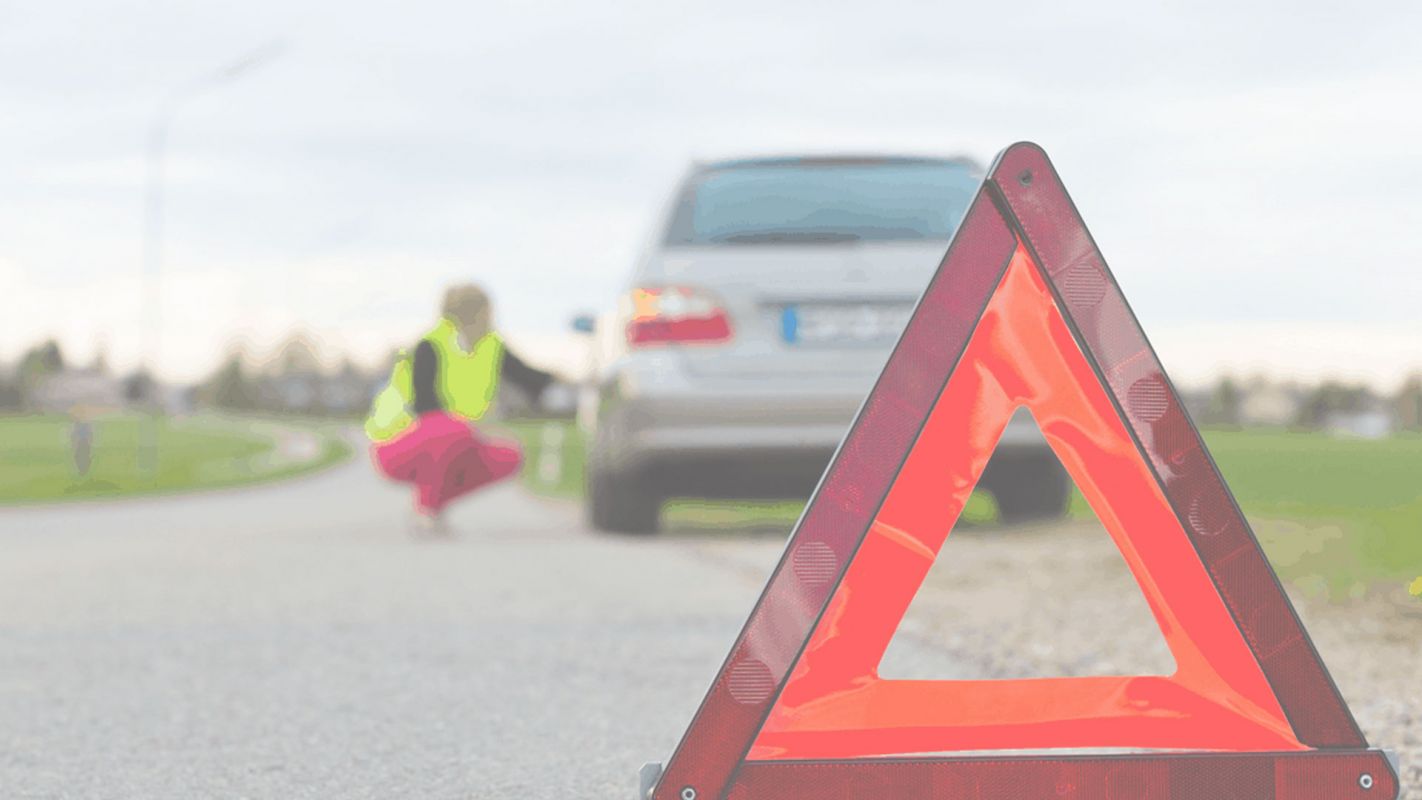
1336 513
1331 512
566 480
36 462
1355 505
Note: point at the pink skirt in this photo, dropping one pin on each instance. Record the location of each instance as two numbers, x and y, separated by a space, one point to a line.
444 458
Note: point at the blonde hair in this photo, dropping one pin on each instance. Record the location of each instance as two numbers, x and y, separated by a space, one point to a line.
467 306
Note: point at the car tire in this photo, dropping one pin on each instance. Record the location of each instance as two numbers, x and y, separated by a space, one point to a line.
1029 489
620 504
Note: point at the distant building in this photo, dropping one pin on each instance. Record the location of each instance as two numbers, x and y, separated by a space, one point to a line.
289 392
65 390
349 391
297 380
1269 405
178 399
1373 422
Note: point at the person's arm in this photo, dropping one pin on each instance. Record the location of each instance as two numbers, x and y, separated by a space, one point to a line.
422 378
530 380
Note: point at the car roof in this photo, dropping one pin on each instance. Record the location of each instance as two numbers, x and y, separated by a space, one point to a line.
830 160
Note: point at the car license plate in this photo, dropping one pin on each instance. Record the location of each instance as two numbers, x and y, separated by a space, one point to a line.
843 323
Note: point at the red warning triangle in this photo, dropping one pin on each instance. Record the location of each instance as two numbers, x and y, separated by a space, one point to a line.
1022 312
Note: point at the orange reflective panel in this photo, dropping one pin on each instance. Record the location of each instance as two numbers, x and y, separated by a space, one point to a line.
835 705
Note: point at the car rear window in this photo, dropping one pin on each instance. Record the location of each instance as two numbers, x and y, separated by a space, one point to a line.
823 203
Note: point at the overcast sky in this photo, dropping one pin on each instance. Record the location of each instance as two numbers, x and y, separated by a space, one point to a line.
1252 171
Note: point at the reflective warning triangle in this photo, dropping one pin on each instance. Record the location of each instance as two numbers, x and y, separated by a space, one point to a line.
1022 312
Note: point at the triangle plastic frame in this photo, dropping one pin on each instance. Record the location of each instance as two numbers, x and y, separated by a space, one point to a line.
1022 311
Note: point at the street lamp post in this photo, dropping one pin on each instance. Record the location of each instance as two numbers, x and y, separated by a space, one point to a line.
151 300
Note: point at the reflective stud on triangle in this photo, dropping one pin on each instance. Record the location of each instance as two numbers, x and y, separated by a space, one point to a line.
1022 312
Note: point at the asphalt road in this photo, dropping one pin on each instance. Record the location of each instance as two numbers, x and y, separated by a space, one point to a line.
295 641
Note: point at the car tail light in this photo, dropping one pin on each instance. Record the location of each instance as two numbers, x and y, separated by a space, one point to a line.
675 315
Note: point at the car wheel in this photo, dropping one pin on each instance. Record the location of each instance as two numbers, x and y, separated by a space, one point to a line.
1028 489
619 504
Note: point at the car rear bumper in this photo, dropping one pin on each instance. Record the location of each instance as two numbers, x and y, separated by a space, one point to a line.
739 438
711 423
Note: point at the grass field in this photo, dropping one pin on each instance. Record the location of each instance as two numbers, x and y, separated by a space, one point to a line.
1333 514
1329 508
36 462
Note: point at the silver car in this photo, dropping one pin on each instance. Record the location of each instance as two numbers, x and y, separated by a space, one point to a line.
756 323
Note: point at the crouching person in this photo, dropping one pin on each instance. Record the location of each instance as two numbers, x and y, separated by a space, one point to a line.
421 423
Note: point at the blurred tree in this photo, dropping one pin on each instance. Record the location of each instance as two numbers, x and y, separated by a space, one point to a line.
47 355
1332 397
229 387
1408 404
10 395
1223 409
38 362
139 388
298 355
101 361
294 378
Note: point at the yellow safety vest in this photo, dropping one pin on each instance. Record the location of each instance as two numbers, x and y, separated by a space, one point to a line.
466 382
